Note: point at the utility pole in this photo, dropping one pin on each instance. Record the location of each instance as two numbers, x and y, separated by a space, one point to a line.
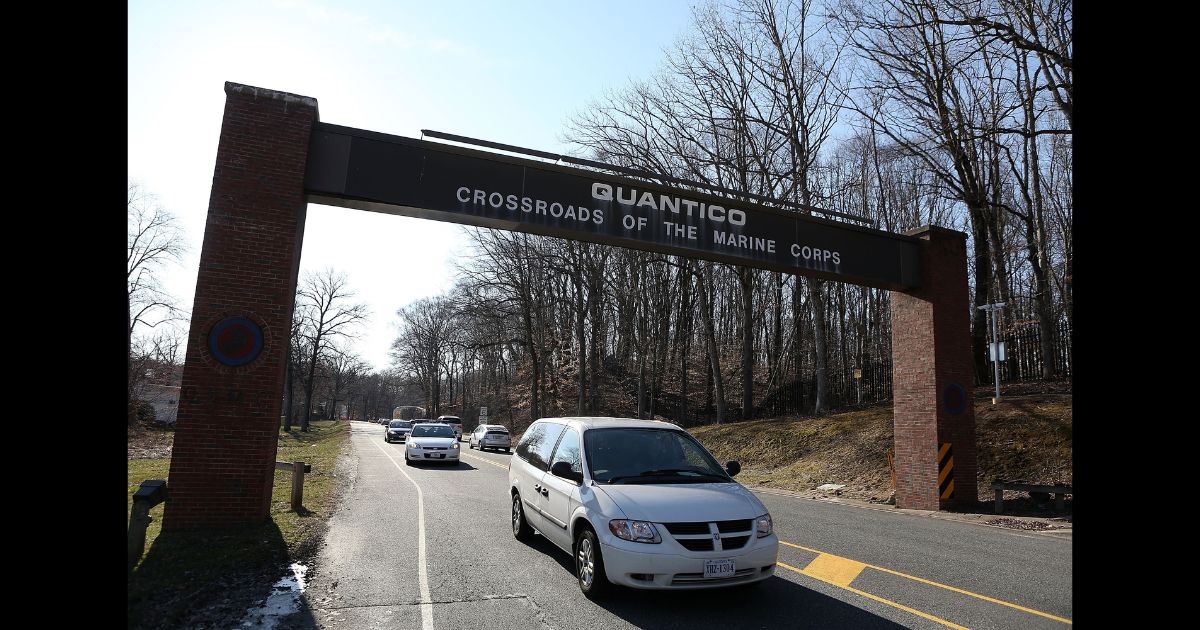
993 314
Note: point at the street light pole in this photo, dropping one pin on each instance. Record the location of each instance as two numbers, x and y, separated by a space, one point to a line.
992 310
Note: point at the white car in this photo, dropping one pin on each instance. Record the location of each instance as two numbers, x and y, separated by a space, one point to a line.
453 421
430 442
488 436
638 503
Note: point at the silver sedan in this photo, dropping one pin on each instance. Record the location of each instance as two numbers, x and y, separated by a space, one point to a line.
431 442
491 436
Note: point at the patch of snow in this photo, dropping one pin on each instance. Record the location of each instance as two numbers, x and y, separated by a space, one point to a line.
283 601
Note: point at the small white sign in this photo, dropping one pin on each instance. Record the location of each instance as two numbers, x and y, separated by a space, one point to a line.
992 352
482 414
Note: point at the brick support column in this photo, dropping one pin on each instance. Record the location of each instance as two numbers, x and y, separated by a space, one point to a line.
223 459
933 374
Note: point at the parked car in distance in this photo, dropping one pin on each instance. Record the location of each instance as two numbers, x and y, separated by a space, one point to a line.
455 422
431 442
397 430
638 503
488 436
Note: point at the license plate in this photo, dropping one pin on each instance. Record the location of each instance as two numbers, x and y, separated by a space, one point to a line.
439 455
718 568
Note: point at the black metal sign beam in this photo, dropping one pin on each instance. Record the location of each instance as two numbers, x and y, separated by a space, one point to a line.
396 175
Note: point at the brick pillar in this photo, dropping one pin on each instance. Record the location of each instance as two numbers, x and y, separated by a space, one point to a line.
933 375
223 459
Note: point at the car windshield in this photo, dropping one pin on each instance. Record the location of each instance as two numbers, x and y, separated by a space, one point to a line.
629 455
400 424
432 430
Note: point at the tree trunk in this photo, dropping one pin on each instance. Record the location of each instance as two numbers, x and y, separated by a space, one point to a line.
746 276
983 281
820 364
581 347
287 405
710 338
308 387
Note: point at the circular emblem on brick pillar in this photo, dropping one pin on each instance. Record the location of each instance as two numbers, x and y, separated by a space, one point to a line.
954 399
235 341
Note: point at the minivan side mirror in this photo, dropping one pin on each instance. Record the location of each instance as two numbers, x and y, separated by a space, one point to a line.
733 468
563 469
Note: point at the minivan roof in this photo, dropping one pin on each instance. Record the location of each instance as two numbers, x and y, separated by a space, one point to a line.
587 422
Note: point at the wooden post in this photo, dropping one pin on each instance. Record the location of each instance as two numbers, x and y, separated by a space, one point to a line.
297 485
150 493
139 518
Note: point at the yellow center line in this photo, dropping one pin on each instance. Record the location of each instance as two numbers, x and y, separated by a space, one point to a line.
931 583
483 459
879 599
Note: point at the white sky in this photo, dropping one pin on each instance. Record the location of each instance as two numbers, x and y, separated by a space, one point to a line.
511 71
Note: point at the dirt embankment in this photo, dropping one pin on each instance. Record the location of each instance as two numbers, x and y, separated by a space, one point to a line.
1026 436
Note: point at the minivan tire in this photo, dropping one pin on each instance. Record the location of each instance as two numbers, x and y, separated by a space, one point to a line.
589 565
521 529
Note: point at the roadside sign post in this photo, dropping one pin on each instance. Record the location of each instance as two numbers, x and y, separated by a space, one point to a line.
858 383
996 352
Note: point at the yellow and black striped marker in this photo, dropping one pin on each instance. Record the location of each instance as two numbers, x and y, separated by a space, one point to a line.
946 472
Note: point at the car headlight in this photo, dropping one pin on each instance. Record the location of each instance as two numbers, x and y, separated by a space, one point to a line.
764 525
636 531
454 445
412 444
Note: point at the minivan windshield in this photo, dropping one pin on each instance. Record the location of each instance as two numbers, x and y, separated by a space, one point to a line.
629 455
432 430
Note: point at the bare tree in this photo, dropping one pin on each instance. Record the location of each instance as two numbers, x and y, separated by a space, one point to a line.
153 240
425 333
924 91
322 301
344 369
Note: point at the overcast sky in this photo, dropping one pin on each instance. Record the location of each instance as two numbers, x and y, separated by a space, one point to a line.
511 71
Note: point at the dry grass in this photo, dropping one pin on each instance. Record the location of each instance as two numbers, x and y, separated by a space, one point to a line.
1025 437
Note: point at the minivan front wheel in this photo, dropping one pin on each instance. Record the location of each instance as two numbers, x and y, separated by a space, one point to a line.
589 565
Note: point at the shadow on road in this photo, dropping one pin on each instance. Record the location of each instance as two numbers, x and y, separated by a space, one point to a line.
436 465
772 603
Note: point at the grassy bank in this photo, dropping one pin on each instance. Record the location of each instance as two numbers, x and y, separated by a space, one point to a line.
183 574
1025 437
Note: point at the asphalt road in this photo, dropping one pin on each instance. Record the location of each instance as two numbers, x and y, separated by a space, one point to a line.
841 565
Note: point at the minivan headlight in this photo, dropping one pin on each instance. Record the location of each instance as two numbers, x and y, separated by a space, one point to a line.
636 531
764 525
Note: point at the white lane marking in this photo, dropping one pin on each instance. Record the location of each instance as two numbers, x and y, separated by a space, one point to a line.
422 575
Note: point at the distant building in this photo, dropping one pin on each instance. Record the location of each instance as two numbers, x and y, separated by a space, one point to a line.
164 399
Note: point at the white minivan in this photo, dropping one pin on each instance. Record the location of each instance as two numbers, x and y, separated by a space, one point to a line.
638 503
